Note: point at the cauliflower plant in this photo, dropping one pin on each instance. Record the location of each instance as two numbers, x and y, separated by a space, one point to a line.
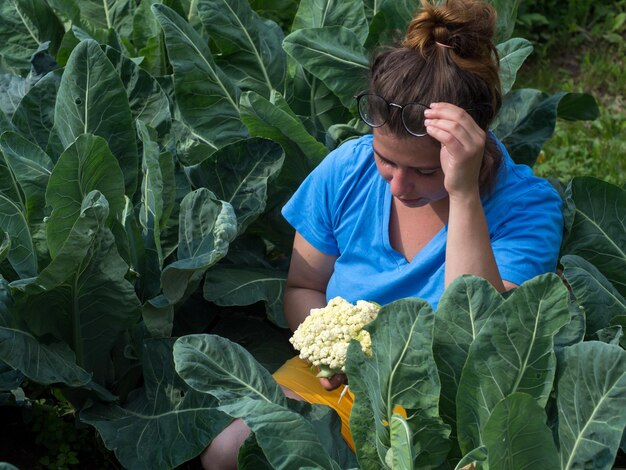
323 337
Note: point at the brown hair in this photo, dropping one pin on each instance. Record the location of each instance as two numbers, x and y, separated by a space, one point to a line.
447 55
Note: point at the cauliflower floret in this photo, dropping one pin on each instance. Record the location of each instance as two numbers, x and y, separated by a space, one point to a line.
323 337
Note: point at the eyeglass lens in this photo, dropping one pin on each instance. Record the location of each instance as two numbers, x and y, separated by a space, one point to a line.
374 110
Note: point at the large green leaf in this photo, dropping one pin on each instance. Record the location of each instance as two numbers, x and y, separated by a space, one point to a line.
151 214
34 116
517 437
591 398
10 378
14 87
158 316
5 124
105 37
389 21
621 321
574 331
251 456
31 168
317 106
245 286
401 373
507 15
54 363
250 46
8 185
513 352
268 344
28 169
287 439
179 184
206 97
400 454
597 233
594 292
206 227
108 14
238 174
275 120
82 296
281 11
92 99
5 245
22 254
26 24
216 366
512 54
164 424
478 455
321 13
86 165
7 466
464 308
212 364
145 25
148 102
188 146
334 55
372 7
148 40
528 117
187 9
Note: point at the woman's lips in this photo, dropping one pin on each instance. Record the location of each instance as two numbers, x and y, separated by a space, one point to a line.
412 202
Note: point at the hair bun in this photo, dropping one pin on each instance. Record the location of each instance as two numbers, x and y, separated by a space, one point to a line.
465 26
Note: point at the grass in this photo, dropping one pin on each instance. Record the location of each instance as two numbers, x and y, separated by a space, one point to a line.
594 64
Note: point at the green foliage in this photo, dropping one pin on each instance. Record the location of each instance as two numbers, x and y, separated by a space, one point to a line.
140 189
398 374
283 429
61 439
580 48
552 21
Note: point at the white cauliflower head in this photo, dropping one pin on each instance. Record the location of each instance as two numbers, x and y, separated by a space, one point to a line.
323 337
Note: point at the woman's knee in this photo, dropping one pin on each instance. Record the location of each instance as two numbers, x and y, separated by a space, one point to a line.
221 454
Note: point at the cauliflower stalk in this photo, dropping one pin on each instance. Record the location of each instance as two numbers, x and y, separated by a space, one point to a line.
323 337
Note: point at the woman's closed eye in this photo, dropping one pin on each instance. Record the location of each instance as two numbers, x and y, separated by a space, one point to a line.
426 173
386 162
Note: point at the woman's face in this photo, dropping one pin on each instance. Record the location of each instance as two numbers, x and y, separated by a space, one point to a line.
411 167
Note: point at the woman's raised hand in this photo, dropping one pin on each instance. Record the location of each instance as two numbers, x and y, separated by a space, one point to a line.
462 146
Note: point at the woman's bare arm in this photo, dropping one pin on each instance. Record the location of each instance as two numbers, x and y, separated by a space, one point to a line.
468 246
468 249
309 273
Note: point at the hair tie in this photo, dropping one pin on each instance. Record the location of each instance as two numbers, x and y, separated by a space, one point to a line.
443 45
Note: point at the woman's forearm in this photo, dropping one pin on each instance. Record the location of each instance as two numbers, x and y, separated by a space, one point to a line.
468 249
298 302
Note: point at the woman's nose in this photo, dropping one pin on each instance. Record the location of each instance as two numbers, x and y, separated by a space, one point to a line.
401 183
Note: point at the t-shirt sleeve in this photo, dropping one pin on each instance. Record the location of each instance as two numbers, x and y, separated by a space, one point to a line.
527 240
309 210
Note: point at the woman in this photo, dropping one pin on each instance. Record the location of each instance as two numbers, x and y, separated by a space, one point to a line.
429 196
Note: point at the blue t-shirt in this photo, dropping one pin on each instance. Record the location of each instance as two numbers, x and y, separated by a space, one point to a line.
342 208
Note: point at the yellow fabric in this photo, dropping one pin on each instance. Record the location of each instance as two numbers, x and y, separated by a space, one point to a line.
296 375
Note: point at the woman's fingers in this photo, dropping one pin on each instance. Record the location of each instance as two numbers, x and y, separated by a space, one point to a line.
454 128
462 146
334 382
